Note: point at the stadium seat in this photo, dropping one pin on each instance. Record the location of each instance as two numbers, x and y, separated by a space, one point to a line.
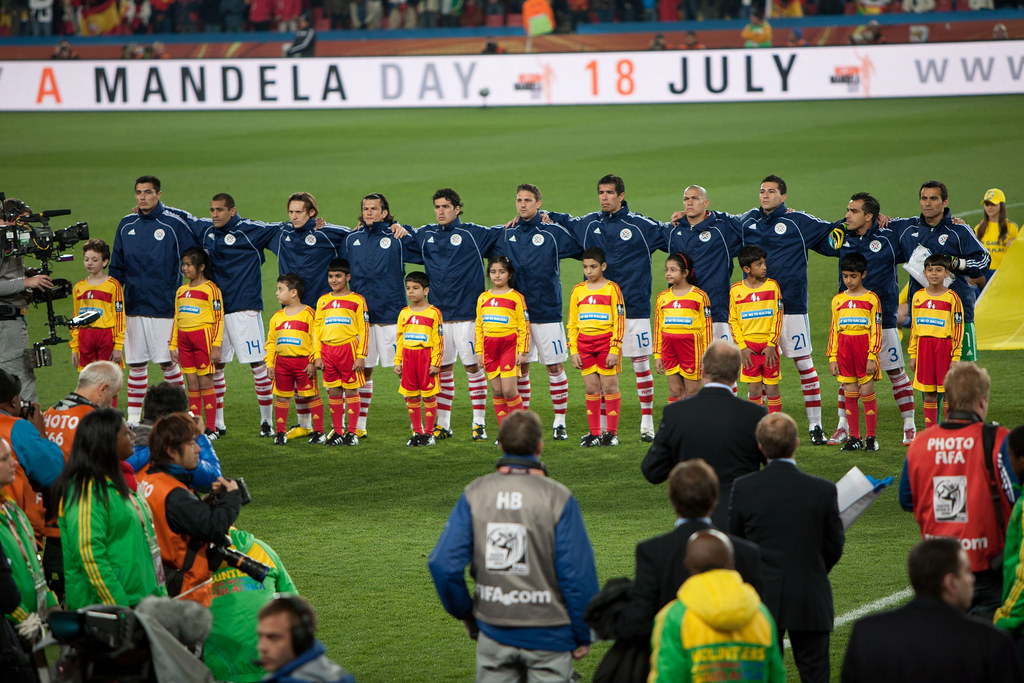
850 8
322 24
494 20
943 5
514 20
318 14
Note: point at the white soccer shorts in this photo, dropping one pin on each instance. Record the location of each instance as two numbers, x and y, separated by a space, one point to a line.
382 344
459 340
547 344
243 335
147 339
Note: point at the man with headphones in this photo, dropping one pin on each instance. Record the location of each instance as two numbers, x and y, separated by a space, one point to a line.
288 648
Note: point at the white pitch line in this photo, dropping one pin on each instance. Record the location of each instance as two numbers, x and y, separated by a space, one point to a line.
880 604
864 610
979 211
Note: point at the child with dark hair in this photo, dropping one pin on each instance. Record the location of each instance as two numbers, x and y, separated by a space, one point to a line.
196 334
418 350
682 328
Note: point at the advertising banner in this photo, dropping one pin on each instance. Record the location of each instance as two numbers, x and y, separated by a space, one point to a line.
814 73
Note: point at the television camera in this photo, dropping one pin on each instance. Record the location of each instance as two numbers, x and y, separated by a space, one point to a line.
29 234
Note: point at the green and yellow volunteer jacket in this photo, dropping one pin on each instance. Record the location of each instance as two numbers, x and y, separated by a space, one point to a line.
717 630
18 542
108 548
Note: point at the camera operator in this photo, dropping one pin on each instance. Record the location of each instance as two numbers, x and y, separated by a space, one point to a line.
40 460
15 283
185 525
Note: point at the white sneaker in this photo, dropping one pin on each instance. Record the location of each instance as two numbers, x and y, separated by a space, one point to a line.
839 436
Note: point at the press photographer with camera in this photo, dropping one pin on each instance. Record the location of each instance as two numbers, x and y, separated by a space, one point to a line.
40 461
15 283
186 525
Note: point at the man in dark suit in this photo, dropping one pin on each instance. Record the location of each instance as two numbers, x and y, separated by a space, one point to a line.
714 425
660 570
794 519
930 638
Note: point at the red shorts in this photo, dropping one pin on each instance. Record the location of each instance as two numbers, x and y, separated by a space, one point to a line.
338 372
416 377
934 354
94 343
290 377
500 356
759 372
852 357
679 355
594 351
194 351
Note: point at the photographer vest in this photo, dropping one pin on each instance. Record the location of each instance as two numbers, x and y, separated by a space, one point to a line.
61 424
953 491
184 560
24 496
514 519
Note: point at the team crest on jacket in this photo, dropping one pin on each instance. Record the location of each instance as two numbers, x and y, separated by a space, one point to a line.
875 246
229 239
159 234
310 240
625 233
943 238
505 550
537 240
780 228
385 242
705 236
456 240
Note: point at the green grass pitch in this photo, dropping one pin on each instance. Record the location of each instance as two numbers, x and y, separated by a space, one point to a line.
355 526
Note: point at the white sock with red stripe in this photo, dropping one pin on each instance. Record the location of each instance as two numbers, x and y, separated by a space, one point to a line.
173 374
365 396
444 399
302 412
811 387
842 424
645 391
478 395
523 387
559 386
264 392
903 392
138 382
219 387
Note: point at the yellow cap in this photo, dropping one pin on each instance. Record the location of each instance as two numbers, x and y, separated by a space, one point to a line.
995 195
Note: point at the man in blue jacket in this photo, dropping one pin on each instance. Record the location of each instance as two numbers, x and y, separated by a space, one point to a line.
236 246
786 236
377 251
881 248
146 260
535 250
523 536
628 240
936 232
452 252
